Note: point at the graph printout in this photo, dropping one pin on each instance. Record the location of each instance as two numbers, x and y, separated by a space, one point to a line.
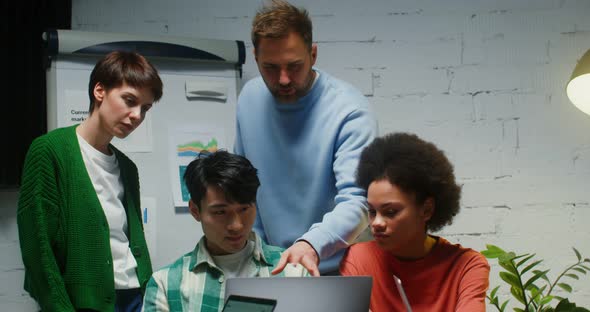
187 143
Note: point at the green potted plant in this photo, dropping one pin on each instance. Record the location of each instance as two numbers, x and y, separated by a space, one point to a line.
532 287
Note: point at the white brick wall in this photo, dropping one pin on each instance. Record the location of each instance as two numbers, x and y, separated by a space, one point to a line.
484 80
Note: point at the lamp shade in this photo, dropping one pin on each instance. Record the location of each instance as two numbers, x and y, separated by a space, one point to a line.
578 88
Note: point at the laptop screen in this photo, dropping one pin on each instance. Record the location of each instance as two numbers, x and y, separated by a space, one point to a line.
295 294
236 303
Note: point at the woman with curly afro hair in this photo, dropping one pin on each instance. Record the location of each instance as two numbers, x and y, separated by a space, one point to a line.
411 191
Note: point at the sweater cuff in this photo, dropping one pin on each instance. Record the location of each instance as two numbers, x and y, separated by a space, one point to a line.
320 242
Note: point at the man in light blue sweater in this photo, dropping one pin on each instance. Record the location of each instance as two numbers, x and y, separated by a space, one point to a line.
304 130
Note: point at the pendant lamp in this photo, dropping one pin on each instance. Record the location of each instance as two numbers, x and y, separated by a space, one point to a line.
578 87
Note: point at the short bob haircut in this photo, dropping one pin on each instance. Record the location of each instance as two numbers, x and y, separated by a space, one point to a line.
416 167
119 67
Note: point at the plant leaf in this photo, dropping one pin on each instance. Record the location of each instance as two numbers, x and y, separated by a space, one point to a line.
494 291
543 277
521 262
542 289
518 310
510 279
536 293
570 307
517 293
536 297
564 305
571 275
533 289
519 256
503 307
585 267
565 287
492 251
530 266
506 257
494 248
580 270
545 300
508 266
490 255
577 254
534 278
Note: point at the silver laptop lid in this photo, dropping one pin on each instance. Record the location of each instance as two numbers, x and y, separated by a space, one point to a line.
296 294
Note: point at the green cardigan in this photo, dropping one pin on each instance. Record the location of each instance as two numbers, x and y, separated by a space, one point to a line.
64 234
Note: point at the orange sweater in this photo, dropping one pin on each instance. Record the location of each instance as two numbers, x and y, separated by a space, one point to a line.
449 278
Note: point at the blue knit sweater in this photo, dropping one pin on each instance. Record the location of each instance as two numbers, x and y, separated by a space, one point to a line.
307 153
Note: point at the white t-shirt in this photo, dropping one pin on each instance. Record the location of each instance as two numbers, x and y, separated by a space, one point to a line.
238 264
106 178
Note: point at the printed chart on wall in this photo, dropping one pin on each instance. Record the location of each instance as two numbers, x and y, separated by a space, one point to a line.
186 142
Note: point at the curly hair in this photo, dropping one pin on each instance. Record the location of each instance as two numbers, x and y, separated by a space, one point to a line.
416 167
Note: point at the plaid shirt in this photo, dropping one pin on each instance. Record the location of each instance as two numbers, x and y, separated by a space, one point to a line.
195 283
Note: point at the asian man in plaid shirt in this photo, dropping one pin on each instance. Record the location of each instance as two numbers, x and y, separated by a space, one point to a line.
223 190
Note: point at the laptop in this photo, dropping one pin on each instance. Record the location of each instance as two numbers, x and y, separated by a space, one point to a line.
310 294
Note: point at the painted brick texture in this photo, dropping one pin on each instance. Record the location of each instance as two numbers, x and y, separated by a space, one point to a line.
484 80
